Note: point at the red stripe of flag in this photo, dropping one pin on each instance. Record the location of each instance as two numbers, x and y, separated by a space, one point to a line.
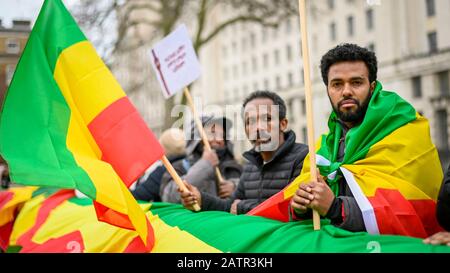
397 215
276 207
111 130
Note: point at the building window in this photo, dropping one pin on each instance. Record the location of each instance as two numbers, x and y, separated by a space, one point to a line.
252 40
266 84
432 42
417 87
431 9
236 93
369 19
300 47
276 56
255 86
254 64
331 4
303 106
444 83
442 130
235 71
12 46
305 134
225 74
350 27
234 47
265 60
290 79
10 68
225 51
371 47
333 31
244 44
278 82
275 32
264 34
291 110
303 75
289 53
245 90
244 68
288 25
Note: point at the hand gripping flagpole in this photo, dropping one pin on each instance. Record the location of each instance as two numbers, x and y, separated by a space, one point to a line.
177 178
308 101
200 128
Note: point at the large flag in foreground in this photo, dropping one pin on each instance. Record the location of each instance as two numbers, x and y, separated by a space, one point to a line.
59 222
390 165
67 123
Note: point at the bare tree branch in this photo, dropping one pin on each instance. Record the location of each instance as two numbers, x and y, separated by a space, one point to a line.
166 14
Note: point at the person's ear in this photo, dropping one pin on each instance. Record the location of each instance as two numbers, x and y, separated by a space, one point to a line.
283 124
372 86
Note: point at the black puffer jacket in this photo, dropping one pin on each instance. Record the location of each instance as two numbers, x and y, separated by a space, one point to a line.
260 181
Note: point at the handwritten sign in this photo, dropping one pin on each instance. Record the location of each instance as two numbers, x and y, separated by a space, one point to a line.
175 62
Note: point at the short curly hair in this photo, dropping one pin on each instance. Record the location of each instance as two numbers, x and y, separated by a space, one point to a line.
264 94
349 52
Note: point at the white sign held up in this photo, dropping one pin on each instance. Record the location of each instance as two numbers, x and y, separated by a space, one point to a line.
175 62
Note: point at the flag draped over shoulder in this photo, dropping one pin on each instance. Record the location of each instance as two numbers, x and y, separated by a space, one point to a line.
60 222
390 165
67 123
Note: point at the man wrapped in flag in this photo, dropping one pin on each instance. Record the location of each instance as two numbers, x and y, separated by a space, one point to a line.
67 123
381 172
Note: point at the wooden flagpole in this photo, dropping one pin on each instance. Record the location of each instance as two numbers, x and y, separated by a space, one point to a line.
177 178
308 101
200 128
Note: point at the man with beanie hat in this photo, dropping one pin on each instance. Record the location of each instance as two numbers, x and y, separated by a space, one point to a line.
198 168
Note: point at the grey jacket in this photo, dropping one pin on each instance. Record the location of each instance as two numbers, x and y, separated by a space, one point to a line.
260 181
200 172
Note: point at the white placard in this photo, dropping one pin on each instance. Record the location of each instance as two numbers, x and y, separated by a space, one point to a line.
175 62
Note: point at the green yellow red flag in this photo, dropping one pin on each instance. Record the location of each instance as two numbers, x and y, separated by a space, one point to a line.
67 123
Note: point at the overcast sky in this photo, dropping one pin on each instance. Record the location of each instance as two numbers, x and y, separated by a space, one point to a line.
19 9
22 9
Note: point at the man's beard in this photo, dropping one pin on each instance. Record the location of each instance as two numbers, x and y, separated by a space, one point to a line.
356 115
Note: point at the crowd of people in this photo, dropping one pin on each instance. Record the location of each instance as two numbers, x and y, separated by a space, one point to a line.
276 159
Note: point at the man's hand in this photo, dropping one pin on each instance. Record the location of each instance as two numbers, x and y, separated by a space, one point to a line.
302 198
190 197
233 208
211 157
441 238
314 195
226 188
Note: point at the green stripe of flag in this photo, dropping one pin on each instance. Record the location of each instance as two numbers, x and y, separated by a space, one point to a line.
254 234
35 116
56 29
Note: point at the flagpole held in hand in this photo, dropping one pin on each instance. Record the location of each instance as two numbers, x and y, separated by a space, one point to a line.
202 133
176 178
308 101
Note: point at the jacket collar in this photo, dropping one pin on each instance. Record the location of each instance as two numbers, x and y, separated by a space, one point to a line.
256 158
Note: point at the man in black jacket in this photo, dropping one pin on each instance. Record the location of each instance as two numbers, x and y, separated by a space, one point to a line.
273 162
443 213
